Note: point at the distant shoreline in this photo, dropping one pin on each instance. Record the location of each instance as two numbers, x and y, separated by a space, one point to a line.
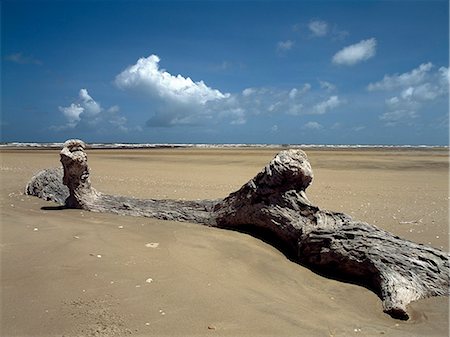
115 146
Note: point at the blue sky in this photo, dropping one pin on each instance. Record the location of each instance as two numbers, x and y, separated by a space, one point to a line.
323 72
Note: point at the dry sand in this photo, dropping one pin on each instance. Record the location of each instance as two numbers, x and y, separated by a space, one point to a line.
75 273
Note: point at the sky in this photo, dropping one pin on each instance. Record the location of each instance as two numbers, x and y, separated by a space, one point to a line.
270 72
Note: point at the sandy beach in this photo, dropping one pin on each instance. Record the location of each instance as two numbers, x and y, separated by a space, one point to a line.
76 273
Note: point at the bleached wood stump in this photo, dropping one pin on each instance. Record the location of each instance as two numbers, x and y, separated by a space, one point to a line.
274 206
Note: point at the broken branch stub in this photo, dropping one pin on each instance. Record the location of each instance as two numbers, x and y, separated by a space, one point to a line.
76 175
274 206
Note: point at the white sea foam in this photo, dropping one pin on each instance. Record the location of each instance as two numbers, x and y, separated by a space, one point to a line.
187 145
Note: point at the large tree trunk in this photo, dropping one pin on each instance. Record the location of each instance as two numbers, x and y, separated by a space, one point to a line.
273 206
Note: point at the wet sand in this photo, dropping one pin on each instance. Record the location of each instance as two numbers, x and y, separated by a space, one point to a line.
75 273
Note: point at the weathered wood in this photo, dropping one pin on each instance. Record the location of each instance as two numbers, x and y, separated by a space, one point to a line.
274 206
48 185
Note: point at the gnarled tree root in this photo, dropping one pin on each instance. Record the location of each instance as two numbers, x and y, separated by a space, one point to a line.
274 206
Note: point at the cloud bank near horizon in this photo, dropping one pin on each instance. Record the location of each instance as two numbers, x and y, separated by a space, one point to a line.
178 100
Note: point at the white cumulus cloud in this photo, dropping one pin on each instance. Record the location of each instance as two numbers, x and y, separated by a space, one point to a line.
88 112
90 106
297 101
356 53
445 75
410 78
318 28
147 75
313 126
293 93
179 101
296 92
395 117
85 105
327 85
248 91
322 107
284 46
72 113
410 92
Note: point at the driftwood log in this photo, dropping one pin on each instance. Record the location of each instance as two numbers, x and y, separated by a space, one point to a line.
273 206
